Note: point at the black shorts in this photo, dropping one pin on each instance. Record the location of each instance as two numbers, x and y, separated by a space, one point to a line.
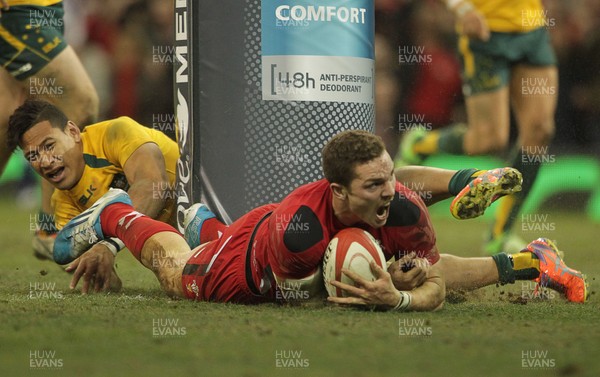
30 37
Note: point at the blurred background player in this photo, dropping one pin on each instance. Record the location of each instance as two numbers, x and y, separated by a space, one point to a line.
38 63
508 62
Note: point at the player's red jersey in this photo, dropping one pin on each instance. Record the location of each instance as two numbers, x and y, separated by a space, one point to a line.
304 223
290 240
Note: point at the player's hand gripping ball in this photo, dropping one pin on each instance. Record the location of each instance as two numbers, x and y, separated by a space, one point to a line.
352 249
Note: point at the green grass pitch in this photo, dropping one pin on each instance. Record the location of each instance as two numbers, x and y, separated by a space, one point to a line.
47 330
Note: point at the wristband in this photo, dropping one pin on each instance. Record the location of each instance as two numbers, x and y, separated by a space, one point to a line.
404 303
113 244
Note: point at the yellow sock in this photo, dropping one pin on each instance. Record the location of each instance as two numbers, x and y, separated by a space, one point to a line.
525 260
502 213
427 145
478 173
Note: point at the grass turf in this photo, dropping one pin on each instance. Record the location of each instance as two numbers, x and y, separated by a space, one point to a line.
140 332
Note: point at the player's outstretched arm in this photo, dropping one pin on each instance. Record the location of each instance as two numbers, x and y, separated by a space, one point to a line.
381 292
147 175
96 267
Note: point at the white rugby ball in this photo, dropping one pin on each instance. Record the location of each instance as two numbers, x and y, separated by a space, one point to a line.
352 249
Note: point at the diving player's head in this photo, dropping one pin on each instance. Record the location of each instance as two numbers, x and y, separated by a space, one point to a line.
361 176
49 141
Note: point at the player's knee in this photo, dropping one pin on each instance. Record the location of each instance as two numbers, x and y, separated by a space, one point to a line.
486 137
539 133
498 143
492 142
88 108
83 106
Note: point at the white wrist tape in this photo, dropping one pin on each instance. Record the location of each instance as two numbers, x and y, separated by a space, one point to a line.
113 244
404 303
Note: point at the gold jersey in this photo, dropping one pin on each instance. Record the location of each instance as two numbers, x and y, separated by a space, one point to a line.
512 16
42 3
106 148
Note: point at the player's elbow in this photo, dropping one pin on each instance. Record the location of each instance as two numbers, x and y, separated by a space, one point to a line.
440 298
438 289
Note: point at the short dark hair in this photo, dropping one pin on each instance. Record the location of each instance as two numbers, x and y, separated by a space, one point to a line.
346 150
28 115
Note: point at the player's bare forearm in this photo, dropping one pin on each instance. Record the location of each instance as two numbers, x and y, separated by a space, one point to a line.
149 184
148 196
381 292
431 295
431 184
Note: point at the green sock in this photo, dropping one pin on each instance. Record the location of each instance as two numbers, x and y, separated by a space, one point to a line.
452 138
460 179
507 273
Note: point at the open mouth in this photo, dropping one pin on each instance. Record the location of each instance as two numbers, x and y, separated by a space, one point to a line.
383 212
55 175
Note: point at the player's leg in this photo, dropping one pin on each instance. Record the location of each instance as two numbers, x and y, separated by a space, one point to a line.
485 81
200 225
489 123
71 89
43 66
487 131
473 273
158 246
534 93
474 190
166 254
12 95
535 119
539 262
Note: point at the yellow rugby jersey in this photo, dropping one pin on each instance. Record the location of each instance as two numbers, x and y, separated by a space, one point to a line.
512 16
43 3
106 148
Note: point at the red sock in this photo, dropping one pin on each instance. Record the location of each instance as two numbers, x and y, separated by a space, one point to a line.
211 230
133 228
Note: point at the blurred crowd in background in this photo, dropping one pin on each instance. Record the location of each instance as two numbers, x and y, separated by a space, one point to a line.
434 90
127 49
126 46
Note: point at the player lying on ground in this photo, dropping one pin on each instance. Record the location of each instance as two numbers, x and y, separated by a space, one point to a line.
82 166
282 245
120 153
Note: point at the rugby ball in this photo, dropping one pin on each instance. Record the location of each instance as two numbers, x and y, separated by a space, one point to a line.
352 249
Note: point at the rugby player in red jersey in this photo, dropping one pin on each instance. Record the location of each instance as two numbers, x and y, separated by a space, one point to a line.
278 246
